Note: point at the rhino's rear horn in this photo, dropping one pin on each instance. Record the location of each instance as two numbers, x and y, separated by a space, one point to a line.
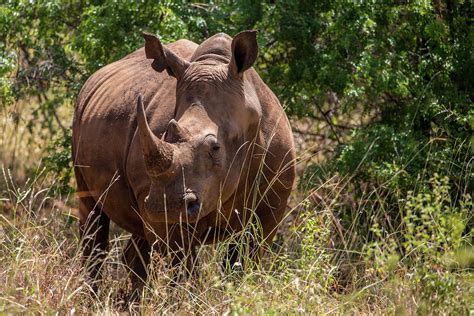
176 133
157 153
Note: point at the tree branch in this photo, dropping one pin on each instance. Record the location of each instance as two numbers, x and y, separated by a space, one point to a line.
326 118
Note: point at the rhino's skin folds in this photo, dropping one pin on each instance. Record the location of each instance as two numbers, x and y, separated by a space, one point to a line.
202 143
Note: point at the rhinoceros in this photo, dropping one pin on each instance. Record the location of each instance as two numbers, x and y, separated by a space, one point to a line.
182 157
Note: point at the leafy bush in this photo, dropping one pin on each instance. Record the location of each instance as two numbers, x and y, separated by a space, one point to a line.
431 232
406 65
391 80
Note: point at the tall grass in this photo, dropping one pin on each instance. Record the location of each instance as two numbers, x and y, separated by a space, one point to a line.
336 252
315 265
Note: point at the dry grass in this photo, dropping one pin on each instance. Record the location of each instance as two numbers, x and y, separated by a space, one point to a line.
41 270
306 271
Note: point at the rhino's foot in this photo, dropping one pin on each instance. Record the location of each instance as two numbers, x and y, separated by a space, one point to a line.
239 257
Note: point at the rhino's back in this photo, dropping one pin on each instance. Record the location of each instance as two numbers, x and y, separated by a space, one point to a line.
104 124
109 95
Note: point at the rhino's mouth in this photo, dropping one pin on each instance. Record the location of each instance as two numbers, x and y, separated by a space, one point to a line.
189 211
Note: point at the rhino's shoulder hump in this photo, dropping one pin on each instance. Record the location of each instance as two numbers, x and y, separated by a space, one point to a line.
183 48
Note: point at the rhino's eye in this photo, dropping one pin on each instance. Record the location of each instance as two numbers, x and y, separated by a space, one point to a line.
214 153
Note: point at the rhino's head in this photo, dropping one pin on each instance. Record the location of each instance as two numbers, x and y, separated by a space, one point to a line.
197 163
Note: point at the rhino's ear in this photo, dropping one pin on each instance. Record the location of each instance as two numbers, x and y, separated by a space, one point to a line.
163 58
244 52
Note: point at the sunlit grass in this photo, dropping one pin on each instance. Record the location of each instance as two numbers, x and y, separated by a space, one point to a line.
41 269
314 264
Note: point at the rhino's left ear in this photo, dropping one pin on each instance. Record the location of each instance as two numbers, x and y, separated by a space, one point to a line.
244 52
163 57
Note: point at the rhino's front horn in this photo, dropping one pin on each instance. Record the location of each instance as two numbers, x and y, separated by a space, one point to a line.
157 153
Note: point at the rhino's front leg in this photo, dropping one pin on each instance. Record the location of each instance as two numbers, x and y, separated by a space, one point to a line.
241 254
94 232
137 258
175 243
245 250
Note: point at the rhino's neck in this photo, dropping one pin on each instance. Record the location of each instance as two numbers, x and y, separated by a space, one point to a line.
217 47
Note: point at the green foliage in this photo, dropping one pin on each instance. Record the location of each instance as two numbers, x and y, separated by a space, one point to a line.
434 225
407 66
316 236
59 162
433 231
403 69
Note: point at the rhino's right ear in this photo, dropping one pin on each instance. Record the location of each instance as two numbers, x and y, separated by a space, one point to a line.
244 52
163 58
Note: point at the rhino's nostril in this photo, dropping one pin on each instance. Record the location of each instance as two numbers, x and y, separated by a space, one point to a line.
192 202
192 207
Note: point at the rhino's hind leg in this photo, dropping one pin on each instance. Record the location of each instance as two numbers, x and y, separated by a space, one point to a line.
136 258
94 232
